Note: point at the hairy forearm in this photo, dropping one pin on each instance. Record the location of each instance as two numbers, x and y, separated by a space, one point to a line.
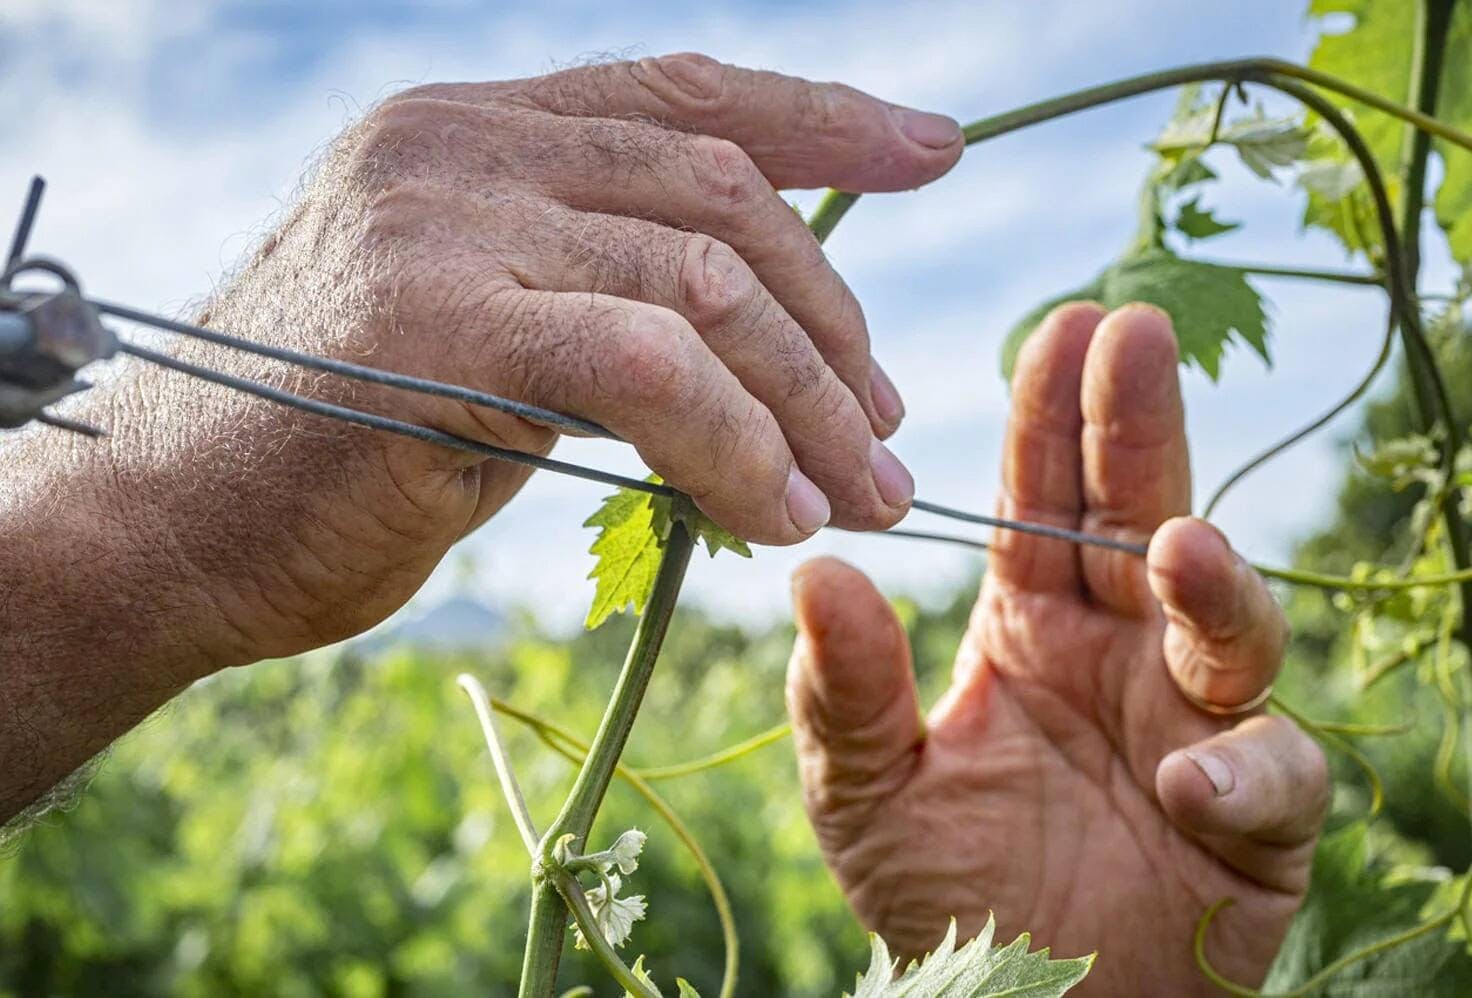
207 530
96 630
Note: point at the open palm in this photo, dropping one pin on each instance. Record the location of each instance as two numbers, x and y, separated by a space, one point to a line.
1066 781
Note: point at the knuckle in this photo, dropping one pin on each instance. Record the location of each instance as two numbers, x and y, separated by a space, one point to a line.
393 138
1202 668
716 286
650 362
684 80
725 173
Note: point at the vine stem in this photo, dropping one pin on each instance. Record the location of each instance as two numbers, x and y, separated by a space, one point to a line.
1302 273
1433 20
1431 395
575 750
577 902
730 754
510 789
1343 745
837 203
549 911
1342 583
1387 347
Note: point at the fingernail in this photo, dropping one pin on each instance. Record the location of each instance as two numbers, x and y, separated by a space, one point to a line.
1216 770
893 480
807 506
887 401
933 131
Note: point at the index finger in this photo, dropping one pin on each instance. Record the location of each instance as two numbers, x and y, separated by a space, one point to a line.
800 133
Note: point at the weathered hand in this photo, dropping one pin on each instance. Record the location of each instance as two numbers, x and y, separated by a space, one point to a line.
606 241
1064 780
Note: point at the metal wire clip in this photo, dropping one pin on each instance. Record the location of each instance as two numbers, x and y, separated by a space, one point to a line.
45 339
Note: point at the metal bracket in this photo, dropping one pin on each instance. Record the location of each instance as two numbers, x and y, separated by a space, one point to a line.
45 337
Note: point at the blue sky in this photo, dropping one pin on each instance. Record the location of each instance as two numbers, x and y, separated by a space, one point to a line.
173 132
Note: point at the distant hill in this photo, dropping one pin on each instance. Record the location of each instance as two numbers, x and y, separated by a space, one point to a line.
459 624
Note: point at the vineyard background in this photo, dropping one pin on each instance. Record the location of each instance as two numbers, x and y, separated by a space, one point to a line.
332 824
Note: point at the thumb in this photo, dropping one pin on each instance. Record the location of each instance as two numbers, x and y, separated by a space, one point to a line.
1255 795
855 714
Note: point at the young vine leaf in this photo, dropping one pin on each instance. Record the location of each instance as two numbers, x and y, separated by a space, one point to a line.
686 989
615 916
627 549
632 527
976 970
1194 223
1264 144
1352 905
1181 173
1209 305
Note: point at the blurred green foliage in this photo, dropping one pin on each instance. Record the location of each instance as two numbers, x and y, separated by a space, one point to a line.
1372 521
332 825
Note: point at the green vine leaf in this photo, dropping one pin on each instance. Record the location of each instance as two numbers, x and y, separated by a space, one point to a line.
627 552
1454 199
1454 105
1209 304
976 970
1351 905
632 527
1194 223
1376 52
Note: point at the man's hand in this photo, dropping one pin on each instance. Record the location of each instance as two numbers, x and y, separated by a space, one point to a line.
1065 780
606 241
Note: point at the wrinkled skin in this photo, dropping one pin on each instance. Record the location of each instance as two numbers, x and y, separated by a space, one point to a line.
606 241
1052 783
